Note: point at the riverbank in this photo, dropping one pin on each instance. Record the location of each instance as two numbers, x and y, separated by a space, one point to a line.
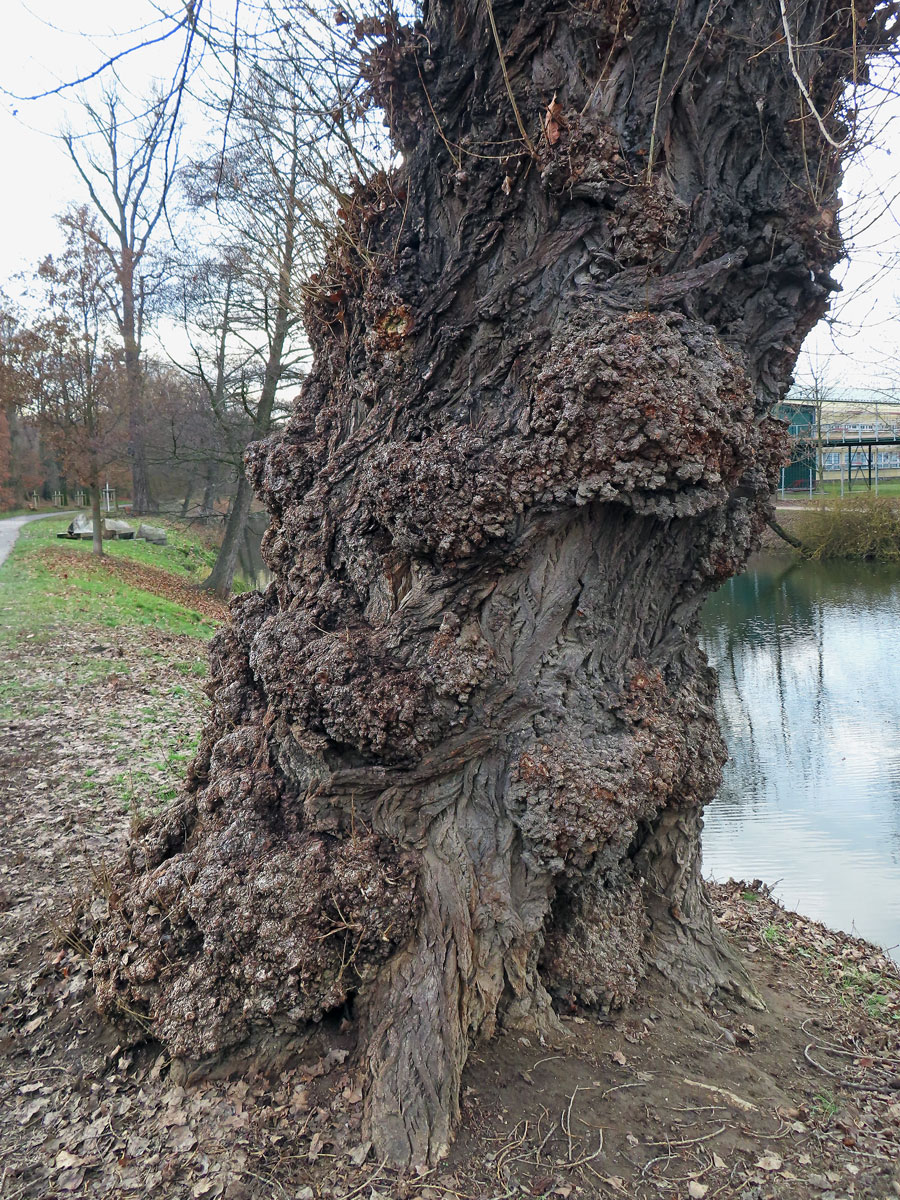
858 526
96 726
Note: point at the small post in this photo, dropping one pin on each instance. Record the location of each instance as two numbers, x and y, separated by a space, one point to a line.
841 468
810 482
876 470
782 483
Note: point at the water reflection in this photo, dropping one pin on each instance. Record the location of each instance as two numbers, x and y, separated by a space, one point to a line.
810 708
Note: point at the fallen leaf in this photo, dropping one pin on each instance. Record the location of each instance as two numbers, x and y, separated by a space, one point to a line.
181 1139
66 1159
551 121
770 1162
618 1057
696 1190
205 1186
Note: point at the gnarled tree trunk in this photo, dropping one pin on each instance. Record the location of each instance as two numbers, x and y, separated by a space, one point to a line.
459 749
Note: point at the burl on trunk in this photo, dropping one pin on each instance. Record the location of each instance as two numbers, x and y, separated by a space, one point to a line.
458 751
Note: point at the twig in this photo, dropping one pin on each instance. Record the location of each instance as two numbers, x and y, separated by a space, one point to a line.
662 75
737 1101
551 1058
525 138
804 90
620 1086
505 1151
690 1141
586 1158
366 1183
566 1122
809 1058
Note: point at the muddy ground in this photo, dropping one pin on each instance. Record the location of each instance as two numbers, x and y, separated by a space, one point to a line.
801 1101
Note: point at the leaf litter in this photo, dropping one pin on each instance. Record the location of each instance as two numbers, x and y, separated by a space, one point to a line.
663 1100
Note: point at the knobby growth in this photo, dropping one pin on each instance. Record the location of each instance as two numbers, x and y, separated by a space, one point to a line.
459 749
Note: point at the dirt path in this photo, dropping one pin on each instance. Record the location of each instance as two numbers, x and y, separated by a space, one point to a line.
663 1100
10 526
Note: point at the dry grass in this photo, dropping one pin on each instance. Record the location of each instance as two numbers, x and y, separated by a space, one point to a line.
864 526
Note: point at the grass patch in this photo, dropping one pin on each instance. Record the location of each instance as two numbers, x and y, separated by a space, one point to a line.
886 487
34 597
185 554
856 527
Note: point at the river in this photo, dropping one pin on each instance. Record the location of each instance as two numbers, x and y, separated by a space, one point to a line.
808 656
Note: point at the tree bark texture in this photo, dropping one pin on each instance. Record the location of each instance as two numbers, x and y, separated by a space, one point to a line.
96 516
459 749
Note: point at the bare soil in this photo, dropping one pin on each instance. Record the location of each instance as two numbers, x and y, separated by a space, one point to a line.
663 1100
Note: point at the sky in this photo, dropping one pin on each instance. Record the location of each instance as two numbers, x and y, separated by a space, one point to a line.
46 42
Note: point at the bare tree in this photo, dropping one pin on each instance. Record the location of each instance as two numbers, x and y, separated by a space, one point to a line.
267 207
126 164
77 391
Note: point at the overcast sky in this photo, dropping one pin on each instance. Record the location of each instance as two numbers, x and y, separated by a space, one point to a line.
43 43
46 42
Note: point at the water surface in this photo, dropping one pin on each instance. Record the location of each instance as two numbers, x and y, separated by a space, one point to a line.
808 657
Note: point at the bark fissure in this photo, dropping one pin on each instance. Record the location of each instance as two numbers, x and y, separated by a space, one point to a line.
460 747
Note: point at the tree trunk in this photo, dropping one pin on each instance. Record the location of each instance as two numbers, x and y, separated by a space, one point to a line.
141 497
221 579
188 496
207 506
459 749
96 518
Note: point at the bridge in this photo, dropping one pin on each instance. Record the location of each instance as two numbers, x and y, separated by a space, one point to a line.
855 447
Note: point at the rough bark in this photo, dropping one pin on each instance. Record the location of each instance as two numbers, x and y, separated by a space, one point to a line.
96 517
459 749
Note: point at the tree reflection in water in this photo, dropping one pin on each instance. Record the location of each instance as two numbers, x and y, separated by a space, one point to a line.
810 708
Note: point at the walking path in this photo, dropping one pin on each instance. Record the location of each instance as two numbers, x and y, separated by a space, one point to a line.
10 526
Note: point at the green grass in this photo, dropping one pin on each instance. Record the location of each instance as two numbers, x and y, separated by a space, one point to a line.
886 487
164 756
184 554
825 1104
868 988
32 597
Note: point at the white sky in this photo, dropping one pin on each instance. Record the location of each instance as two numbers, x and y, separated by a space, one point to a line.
46 42
49 41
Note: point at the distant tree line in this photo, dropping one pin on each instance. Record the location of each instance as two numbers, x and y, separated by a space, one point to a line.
165 336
